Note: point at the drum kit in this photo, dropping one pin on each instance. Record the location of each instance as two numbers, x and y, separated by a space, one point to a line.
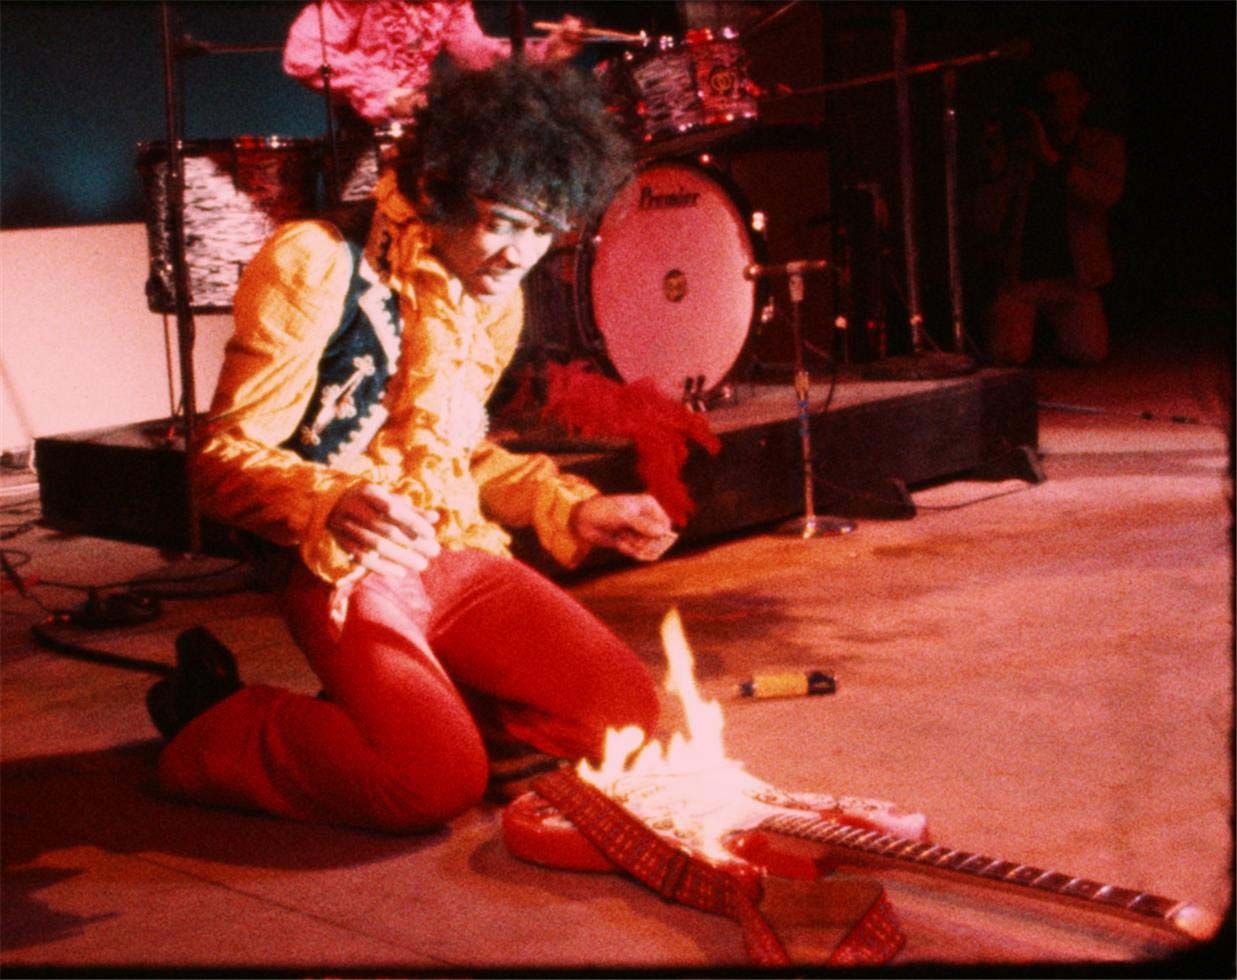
662 293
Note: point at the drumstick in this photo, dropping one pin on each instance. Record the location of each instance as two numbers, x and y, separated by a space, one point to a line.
594 33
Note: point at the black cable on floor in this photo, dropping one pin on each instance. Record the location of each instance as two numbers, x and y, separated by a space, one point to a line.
1144 415
133 605
886 501
46 639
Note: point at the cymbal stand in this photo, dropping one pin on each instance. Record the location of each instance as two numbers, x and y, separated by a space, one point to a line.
176 48
185 327
811 524
949 86
328 101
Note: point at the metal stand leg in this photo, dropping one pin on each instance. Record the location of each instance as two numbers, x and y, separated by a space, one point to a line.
921 363
811 524
185 326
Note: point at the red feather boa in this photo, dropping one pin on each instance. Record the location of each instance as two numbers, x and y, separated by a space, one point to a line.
587 404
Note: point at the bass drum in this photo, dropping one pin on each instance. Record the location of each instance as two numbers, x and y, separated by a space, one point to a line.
665 295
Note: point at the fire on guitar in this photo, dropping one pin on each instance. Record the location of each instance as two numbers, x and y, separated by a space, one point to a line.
707 805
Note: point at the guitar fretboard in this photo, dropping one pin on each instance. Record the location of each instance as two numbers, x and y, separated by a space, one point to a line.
977 865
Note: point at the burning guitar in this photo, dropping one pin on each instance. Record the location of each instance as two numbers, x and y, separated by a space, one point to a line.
706 805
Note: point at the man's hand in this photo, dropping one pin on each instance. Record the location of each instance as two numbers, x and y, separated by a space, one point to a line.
383 531
565 39
1040 142
634 524
402 102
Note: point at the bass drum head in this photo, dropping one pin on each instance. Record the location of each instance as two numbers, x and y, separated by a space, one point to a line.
667 294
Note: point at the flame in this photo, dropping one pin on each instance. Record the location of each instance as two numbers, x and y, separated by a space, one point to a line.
689 788
690 792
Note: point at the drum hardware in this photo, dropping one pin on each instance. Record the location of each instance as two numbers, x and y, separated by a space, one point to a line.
794 268
693 393
671 87
699 399
360 158
596 35
233 195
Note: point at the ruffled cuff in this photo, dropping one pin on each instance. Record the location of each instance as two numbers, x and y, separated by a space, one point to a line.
320 550
552 519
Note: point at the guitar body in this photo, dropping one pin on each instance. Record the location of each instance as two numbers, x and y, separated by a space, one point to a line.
535 831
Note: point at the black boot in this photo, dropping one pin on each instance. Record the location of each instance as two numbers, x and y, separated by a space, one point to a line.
204 675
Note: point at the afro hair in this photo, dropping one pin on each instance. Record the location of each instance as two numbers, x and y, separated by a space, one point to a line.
531 135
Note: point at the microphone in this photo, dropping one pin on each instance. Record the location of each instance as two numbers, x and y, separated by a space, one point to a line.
1018 48
796 268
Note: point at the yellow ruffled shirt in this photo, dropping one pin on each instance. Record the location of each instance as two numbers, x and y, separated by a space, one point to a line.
431 447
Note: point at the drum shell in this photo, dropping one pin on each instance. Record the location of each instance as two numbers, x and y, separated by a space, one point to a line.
674 87
236 193
702 336
363 157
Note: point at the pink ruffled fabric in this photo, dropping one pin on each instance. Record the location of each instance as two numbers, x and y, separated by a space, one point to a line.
374 46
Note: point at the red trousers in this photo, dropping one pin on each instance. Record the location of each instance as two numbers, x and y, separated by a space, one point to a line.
401 742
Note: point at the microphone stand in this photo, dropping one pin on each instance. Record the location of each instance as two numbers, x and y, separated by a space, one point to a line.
811 524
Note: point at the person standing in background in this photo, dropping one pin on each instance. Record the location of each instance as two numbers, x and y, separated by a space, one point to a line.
1041 215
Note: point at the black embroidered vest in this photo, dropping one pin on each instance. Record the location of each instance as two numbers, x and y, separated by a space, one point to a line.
346 409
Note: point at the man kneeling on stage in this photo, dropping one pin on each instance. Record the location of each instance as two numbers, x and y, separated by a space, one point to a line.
349 430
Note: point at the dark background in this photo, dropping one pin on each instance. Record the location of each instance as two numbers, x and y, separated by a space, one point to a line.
82 83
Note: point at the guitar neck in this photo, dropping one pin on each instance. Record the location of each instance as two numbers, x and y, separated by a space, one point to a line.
1180 917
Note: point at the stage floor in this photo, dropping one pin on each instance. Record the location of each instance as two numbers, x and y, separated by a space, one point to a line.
1044 670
